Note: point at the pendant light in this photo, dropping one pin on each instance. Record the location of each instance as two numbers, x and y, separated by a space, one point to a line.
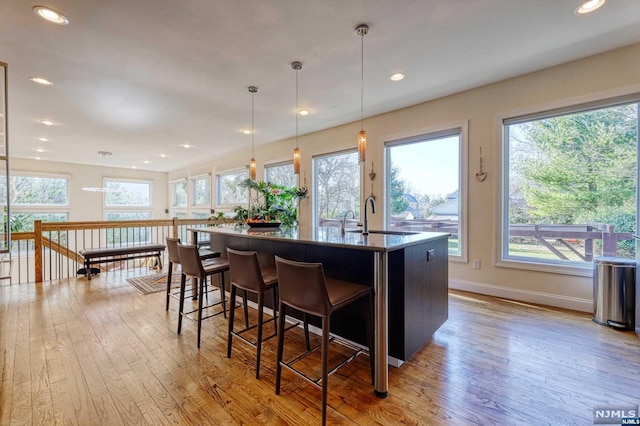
362 30
297 66
252 164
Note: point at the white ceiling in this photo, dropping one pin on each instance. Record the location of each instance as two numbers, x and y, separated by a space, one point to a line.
139 78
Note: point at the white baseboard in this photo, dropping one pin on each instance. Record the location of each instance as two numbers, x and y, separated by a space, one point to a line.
530 296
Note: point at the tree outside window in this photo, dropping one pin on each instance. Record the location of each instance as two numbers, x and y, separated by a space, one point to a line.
337 187
231 191
571 185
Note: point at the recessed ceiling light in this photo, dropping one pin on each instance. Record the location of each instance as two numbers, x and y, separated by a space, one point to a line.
46 122
163 155
41 80
304 112
43 139
36 158
397 76
146 161
133 167
246 131
40 150
50 15
588 6
186 145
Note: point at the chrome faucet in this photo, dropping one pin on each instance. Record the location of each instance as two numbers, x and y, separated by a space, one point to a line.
365 222
344 220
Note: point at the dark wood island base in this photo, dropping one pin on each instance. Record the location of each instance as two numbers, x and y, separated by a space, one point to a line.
408 271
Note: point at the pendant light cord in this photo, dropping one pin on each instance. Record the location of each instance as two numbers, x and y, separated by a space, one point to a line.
361 81
252 125
297 112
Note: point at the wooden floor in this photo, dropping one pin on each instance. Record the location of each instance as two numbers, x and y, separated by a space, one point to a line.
101 353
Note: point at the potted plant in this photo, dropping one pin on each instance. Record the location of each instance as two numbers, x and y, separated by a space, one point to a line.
271 203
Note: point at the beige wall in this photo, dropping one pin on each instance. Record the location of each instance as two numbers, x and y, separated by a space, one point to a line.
610 74
88 206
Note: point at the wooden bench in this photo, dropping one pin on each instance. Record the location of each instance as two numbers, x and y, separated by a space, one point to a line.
103 255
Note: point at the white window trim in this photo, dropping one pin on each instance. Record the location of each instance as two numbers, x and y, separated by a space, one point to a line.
217 188
54 208
463 159
314 183
125 207
172 193
191 189
604 98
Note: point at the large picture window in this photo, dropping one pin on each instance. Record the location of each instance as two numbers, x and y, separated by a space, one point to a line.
127 199
36 197
570 184
230 191
337 187
37 190
424 185
127 193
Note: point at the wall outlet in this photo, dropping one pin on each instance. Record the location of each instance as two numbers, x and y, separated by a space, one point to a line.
476 264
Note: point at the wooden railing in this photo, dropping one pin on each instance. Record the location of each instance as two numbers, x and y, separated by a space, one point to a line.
51 250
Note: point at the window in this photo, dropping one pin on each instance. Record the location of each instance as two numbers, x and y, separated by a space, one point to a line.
37 191
281 174
231 192
337 187
423 185
201 191
127 199
179 193
127 193
37 197
23 221
570 180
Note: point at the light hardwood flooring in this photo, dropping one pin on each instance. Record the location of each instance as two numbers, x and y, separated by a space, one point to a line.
101 353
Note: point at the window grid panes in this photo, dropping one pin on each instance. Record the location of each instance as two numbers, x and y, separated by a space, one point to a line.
337 187
231 192
570 185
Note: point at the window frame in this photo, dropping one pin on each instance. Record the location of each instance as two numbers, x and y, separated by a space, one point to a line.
191 198
38 207
174 185
315 193
279 164
462 130
551 110
110 209
221 174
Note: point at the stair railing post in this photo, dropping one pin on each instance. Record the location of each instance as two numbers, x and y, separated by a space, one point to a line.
37 250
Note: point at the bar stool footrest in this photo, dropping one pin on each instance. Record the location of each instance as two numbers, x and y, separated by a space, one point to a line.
357 351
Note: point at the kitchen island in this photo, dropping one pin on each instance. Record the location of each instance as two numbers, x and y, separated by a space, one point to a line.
407 270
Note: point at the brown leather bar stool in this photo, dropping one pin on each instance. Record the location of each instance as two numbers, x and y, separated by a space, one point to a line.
247 275
303 286
198 271
174 259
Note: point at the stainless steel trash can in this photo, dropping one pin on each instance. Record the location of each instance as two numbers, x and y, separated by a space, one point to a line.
614 293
